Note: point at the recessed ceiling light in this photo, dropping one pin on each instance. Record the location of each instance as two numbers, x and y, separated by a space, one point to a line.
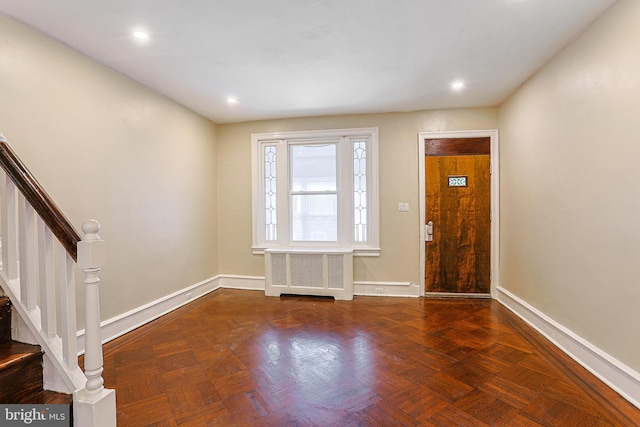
140 35
232 100
457 85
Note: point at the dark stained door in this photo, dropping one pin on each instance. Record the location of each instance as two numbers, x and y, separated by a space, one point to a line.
458 215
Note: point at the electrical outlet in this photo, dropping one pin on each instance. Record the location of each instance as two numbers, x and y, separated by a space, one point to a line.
379 290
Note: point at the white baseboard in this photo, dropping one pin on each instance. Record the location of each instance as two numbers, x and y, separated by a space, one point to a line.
132 319
611 371
230 281
386 289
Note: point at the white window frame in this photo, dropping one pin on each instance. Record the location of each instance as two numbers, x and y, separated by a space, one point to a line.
344 138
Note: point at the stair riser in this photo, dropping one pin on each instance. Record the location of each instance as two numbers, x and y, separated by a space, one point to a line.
5 320
19 382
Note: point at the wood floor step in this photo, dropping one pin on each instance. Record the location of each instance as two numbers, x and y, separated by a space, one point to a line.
21 368
20 372
5 320
16 352
46 397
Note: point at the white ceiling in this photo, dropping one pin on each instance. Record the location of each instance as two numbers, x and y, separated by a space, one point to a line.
292 58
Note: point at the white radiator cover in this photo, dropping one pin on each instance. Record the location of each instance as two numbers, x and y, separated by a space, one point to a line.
325 272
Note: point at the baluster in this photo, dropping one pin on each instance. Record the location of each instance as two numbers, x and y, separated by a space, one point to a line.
91 258
47 279
66 280
9 230
27 249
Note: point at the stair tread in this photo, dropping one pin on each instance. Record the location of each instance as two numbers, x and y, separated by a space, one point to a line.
14 352
39 397
50 397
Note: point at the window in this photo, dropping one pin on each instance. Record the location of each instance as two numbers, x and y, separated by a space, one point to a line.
316 189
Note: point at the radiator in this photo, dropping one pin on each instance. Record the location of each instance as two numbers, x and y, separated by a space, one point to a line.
309 272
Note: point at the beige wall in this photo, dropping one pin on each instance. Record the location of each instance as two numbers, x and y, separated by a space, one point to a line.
173 191
570 156
106 147
398 168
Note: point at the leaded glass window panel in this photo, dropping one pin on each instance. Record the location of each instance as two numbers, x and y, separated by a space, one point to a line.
270 194
360 191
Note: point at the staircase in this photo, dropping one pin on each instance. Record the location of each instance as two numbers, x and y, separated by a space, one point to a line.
40 251
21 368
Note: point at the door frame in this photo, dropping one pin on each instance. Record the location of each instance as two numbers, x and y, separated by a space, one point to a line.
495 198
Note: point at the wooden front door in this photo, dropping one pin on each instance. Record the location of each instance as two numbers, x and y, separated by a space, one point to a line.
458 215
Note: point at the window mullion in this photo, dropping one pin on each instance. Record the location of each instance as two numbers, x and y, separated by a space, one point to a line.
345 199
283 193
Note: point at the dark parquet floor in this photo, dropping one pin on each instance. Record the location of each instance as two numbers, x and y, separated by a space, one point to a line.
238 358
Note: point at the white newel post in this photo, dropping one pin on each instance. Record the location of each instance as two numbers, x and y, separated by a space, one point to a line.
96 405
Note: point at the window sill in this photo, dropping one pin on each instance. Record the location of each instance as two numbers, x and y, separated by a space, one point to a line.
360 252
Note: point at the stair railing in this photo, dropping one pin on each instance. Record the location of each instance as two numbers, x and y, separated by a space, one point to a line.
38 275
